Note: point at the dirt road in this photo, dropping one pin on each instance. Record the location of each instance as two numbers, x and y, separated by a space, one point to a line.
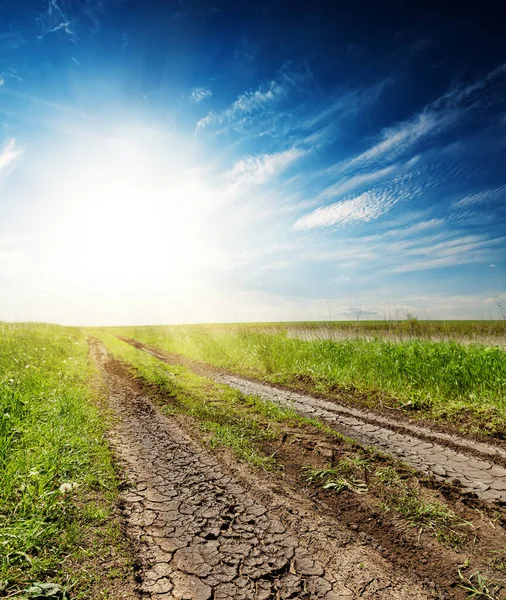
202 534
477 467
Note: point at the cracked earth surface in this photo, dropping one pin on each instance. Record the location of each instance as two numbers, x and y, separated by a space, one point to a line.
476 466
203 535
477 475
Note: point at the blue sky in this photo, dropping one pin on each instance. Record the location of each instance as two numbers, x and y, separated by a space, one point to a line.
187 161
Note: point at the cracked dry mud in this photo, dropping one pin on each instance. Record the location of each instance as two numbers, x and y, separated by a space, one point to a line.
202 535
477 475
476 466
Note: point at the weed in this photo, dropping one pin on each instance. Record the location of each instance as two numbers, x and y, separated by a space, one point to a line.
478 586
338 478
424 514
388 476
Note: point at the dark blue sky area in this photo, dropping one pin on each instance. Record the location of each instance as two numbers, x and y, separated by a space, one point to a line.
315 153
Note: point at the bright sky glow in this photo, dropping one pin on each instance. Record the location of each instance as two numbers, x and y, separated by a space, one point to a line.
182 164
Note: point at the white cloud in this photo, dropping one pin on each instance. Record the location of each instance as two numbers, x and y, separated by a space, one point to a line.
347 103
55 19
2 81
458 94
437 116
395 140
366 207
480 197
363 179
245 104
255 170
199 94
9 154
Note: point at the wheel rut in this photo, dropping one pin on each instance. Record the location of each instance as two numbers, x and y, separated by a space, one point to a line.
475 466
203 535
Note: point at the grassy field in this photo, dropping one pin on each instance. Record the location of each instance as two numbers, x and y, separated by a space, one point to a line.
441 380
58 486
409 327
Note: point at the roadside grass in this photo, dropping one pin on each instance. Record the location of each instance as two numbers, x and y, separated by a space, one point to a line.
58 485
464 384
231 418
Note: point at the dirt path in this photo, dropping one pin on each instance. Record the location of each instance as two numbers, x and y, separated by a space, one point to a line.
203 535
478 467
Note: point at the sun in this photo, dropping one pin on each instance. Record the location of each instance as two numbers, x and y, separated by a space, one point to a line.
121 218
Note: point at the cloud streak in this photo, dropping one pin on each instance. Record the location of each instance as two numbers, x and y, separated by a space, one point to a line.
9 154
245 104
436 117
492 195
199 94
366 207
256 170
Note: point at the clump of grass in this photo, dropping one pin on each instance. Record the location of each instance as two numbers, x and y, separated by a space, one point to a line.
443 380
478 586
357 474
388 476
339 478
55 466
419 512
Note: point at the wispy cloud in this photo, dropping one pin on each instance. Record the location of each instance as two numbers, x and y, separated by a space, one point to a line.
199 94
491 195
9 154
256 170
2 81
345 186
347 102
54 19
438 116
460 251
248 103
366 207
396 140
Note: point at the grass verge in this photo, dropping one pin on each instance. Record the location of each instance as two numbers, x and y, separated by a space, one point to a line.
58 491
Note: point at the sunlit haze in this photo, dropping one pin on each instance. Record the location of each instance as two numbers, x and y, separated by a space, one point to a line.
194 161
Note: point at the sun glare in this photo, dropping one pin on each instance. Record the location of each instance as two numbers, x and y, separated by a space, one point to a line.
123 219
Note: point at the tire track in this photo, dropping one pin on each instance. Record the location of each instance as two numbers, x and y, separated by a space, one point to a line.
469 463
203 536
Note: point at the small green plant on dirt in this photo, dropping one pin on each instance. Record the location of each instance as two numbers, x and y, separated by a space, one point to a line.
479 587
498 560
338 479
388 476
425 514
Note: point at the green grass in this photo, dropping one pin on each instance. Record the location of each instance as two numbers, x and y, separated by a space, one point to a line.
231 418
57 480
359 475
450 381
